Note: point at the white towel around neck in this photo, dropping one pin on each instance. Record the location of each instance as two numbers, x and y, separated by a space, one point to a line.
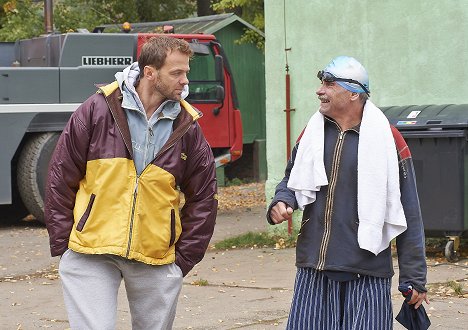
381 215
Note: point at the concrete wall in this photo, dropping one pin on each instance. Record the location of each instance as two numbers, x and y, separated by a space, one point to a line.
416 52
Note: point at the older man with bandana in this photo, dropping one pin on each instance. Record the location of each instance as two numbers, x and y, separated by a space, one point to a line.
352 175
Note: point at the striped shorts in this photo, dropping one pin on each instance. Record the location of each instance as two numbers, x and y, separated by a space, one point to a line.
320 303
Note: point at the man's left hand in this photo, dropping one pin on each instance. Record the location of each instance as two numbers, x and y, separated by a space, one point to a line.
418 298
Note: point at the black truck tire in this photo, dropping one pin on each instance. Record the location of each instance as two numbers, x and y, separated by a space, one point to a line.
32 170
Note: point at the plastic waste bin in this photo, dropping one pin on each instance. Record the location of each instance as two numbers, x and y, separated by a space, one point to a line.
437 138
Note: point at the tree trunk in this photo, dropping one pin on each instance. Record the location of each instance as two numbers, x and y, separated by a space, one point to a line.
204 8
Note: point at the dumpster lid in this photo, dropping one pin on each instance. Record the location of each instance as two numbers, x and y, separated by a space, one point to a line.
411 117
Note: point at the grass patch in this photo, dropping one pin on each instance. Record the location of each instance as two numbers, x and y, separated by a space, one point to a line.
457 287
257 240
237 182
436 242
200 282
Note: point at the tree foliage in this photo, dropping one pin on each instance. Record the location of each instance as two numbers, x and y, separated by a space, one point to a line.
164 10
21 19
70 15
249 10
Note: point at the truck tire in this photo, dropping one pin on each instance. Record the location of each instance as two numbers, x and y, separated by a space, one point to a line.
32 170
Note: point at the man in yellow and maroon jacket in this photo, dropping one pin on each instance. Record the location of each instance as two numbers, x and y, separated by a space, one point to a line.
113 193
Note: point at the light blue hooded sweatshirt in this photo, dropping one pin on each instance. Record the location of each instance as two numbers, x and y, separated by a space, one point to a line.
148 135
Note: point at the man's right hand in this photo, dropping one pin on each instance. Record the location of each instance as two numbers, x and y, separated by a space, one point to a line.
281 212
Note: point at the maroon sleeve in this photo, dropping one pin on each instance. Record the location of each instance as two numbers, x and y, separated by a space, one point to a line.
411 243
66 169
198 216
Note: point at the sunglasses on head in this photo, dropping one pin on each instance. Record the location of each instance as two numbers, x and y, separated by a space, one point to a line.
328 77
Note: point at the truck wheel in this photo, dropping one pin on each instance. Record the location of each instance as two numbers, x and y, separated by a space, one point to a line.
32 169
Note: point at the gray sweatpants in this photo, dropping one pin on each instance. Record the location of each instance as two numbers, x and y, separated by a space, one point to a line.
91 284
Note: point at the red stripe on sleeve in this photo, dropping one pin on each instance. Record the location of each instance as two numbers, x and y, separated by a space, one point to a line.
402 147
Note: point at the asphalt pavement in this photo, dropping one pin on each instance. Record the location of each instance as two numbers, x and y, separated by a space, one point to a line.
233 289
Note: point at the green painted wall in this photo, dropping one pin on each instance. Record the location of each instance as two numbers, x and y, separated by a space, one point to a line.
416 52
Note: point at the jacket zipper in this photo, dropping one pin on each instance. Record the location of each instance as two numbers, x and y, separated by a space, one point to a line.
135 192
329 204
303 223
130 232
130 150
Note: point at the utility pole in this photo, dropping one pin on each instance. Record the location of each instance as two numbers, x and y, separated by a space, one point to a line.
48 16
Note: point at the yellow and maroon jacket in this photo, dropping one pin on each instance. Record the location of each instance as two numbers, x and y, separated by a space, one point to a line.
97 204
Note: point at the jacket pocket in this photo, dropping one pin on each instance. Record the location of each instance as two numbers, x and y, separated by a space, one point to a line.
85 216
173 228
